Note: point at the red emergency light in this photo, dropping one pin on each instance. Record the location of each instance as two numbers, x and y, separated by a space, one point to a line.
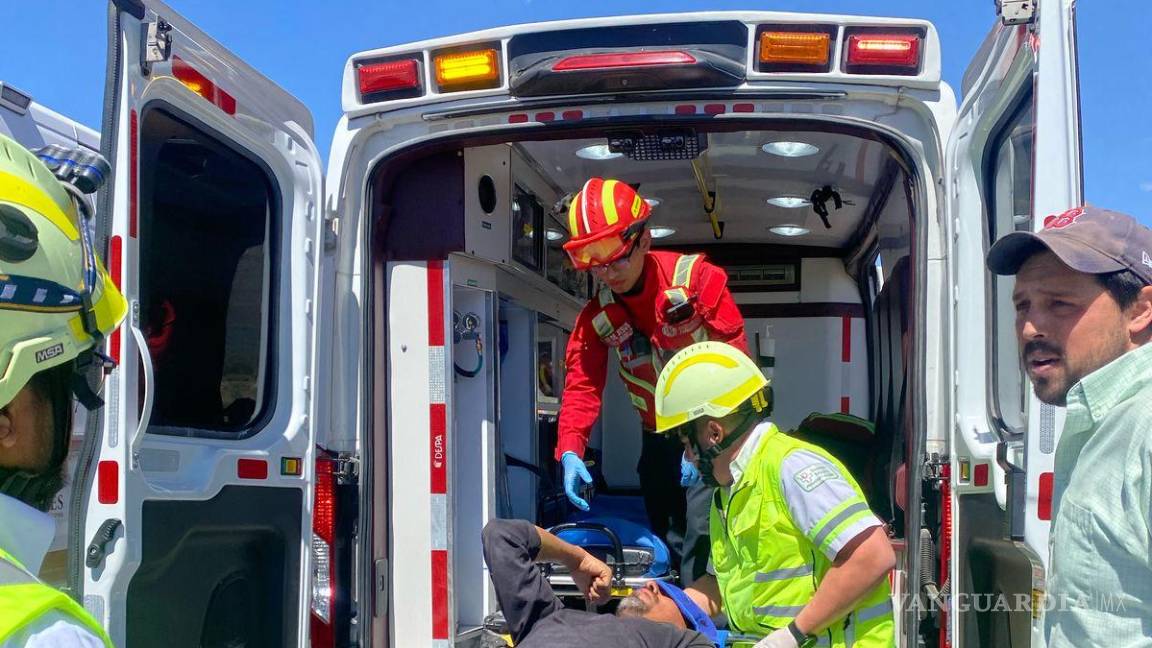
388 77
615 60
883 53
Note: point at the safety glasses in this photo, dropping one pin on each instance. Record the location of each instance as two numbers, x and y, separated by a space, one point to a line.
597 255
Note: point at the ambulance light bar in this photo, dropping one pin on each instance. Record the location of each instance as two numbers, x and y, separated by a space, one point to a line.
883 53
614 60
467 70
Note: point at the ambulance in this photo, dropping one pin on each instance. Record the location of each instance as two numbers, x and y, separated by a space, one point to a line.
330 380
34 126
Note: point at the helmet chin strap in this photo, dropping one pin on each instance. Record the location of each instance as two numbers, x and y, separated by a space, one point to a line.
706 457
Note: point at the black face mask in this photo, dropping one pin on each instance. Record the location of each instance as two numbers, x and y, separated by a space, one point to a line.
39 488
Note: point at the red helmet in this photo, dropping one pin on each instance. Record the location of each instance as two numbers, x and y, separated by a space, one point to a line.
605 218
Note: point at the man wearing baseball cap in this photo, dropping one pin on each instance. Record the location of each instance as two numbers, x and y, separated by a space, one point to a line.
1083 301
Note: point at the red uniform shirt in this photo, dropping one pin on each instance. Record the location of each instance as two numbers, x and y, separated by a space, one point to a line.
587 356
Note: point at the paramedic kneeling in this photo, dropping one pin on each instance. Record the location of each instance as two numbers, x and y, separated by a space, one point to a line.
536 617
56 305
650 305
798 555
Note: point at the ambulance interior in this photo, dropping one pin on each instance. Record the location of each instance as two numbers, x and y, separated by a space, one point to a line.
827 299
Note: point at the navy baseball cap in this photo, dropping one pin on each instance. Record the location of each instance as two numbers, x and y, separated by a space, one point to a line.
1087 239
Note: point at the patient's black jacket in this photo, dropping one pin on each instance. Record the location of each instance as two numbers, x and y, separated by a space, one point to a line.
537 619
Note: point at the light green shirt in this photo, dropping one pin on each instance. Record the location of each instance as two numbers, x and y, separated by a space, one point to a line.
1100 586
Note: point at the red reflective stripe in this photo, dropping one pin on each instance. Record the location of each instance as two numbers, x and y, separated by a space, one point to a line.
573 115
744 108
945 547
115 258
202 85
1044 497
686 110
545 116
519 118
133 172
439 451
980 474
845 404
845 339
252 469
439 594
714 109
435 303
108 482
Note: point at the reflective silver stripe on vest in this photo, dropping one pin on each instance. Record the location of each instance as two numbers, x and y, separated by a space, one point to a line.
781 574
872 612
778 610
13 574
831 525
682 275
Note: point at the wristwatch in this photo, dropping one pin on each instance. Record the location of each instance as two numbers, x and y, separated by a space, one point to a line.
802 640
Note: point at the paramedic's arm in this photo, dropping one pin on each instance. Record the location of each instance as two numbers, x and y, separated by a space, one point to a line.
831 512
860 566
586 364
705 593
721 315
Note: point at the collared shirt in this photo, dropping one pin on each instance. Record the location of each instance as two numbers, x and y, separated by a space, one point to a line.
1100 586
26 534
813 487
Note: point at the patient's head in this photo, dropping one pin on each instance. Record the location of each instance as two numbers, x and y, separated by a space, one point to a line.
650 602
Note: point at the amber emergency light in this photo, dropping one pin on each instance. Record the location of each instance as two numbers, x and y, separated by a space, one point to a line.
778 48
467 70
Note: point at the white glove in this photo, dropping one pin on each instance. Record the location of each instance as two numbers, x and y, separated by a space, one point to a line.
778 639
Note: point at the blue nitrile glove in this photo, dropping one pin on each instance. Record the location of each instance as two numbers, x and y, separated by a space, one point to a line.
574 467
689 474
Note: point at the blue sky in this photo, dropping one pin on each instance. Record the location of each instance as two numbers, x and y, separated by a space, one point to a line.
56 53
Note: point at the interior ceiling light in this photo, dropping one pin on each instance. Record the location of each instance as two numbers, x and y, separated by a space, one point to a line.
652 202
662 231
789 202
788 230
597 152
791 149
554 234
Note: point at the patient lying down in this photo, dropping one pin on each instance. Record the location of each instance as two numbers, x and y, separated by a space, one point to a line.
656 616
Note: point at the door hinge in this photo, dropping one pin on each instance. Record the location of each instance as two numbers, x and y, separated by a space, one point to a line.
157 45
934 467
346 470
1016 12
331 232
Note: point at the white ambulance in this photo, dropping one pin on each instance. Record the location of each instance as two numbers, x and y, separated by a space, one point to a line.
329 383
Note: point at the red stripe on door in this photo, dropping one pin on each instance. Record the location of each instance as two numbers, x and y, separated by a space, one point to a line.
439 594
845 339
115 258
435 303
845 404
133 171
439 438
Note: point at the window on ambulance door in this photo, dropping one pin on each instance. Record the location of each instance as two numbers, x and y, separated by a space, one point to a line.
1009 182
206 259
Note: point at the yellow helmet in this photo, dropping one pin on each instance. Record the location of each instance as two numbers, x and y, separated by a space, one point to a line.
56 299
707 379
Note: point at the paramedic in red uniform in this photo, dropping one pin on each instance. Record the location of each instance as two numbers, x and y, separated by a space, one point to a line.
651 304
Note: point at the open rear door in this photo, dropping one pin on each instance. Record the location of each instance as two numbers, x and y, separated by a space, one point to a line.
197 521
1013 158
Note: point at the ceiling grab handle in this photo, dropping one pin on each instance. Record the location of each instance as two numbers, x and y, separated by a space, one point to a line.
149 379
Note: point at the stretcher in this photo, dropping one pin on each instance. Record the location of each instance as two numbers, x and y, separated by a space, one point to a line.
635 554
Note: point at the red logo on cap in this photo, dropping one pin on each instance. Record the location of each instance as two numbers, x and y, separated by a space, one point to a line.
1063 220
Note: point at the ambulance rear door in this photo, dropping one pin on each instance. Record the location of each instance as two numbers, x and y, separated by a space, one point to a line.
1013 158
198 526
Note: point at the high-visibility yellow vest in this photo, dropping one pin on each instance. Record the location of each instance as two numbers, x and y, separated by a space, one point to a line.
768 569
24 598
